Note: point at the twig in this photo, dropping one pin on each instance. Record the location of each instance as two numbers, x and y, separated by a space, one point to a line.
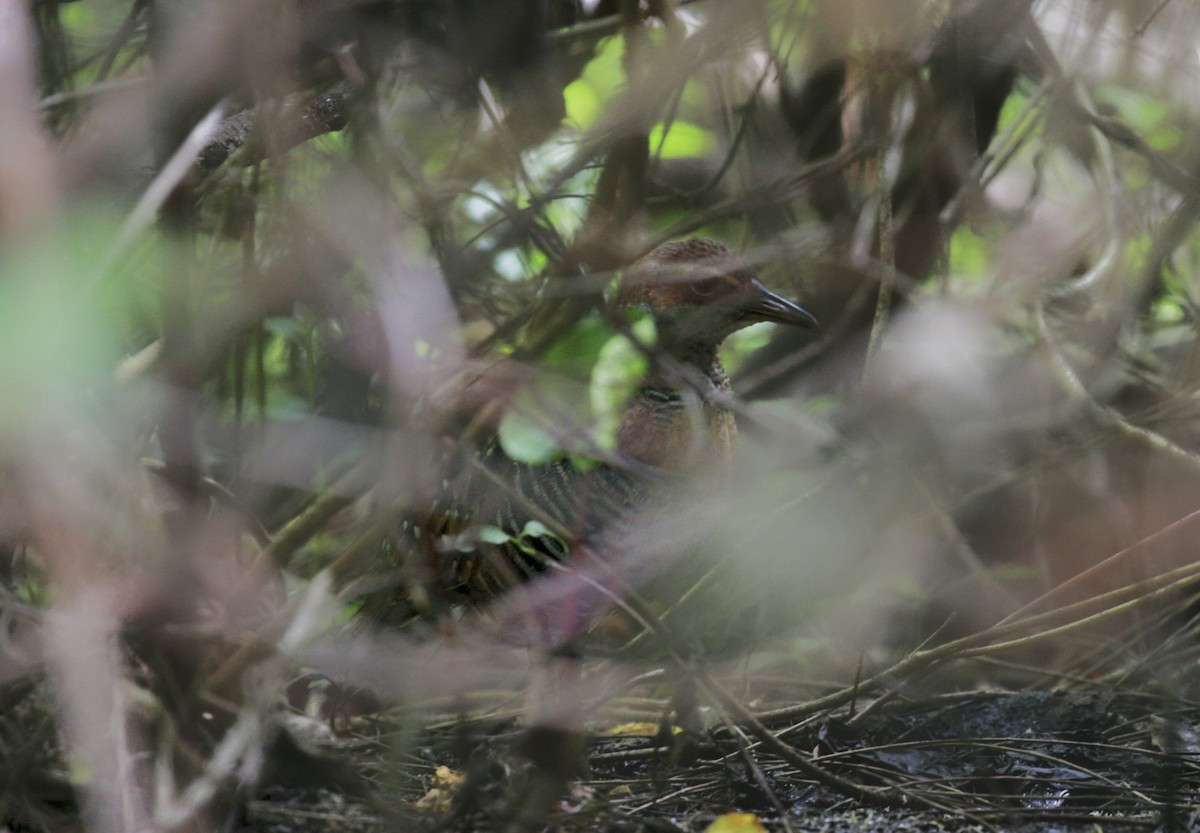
1071 383
296 532
760 777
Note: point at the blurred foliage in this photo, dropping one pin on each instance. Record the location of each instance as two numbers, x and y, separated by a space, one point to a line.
276 277
401 186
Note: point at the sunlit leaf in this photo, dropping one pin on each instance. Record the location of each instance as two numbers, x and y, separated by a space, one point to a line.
582 103
618 371
491 535
535 529
524 440
1014 109
643 729
736 823
600 80
682 140
741 344
969 254
1167 310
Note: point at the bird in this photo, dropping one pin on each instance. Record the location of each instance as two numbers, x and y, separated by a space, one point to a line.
698 293
678 421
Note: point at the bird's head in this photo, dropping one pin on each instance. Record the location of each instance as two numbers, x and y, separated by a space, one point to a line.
698 292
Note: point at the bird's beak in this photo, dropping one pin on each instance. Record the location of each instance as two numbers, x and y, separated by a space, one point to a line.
764 305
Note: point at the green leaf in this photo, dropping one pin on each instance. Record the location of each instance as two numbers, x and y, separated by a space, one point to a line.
1165 138
524 440
535 529
599 82
1014 108
968 254
545 415
576 353
682 140
616 376
1167 311
1151 117
582 103
741 344
491 535
59 322
77 18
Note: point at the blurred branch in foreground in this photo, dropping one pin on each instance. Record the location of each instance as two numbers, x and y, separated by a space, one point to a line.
366 449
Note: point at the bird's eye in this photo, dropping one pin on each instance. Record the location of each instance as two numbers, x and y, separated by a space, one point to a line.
708 288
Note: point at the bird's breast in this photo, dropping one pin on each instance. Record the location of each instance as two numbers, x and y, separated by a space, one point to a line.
662 429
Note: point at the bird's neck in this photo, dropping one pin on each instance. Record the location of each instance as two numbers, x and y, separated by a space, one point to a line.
677 419
688 367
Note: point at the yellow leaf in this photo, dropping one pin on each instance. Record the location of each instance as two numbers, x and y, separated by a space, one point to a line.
440 797
736 823
644 729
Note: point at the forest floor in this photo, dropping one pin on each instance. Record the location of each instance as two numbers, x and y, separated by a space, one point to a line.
1097 760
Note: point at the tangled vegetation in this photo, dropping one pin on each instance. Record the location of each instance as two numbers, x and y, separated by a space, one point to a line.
277 275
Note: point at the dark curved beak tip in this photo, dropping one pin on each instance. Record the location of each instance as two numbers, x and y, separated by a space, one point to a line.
769 306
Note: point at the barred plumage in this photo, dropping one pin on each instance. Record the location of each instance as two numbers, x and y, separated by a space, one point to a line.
698 293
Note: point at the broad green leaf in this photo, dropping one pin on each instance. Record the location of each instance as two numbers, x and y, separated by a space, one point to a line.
969 254
682 140
582 103
524 440
600 80
545 416
491 535
535 529
617 374
576 353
